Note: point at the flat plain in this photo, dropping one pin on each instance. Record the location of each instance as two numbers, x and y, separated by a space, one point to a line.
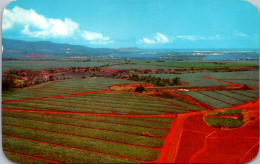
99 119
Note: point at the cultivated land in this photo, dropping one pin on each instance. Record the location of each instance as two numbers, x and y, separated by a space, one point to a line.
101 116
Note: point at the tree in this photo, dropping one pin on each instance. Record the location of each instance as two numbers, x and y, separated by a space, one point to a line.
7 84
175 81
140 89
135 77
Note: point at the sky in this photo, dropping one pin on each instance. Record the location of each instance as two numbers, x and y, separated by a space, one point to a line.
147 24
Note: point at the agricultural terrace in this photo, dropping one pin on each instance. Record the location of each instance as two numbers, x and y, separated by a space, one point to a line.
85 121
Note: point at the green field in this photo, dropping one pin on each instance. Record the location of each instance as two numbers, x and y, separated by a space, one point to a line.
95 134
199 64
225 122
250 78
83 121
223 98
50 64
208 100
87 85
138 66
193 79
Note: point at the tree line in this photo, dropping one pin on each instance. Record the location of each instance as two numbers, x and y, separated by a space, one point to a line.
158 81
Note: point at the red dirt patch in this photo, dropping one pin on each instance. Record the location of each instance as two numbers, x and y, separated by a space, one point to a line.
189 145
109 70
219 146
129 87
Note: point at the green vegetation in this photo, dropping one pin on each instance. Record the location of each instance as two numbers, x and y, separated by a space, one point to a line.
17 94
129 151
235 95
193 79
225 122
23 159
87 85
161 82
246 75
58 153
223 98
199 64
164 124
246 93
249 78
208 100
178 101
51 64
138 66
98 103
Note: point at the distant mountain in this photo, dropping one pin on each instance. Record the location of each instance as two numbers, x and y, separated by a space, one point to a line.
18 49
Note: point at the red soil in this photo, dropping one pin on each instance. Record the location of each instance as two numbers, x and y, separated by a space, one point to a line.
109 70
220 146
129 86
189 145
190 139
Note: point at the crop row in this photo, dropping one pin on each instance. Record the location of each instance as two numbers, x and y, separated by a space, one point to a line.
246 93
101 102
117 149
120 120
108 136
23 158
89 84
184 103
44 105
208 100
248 82
223 98
235 95
193 79
245 75
30 93
88 124
57 152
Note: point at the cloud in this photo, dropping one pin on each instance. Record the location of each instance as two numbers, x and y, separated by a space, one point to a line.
240 34
96 38
198 37
39 26
157 39
36 25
